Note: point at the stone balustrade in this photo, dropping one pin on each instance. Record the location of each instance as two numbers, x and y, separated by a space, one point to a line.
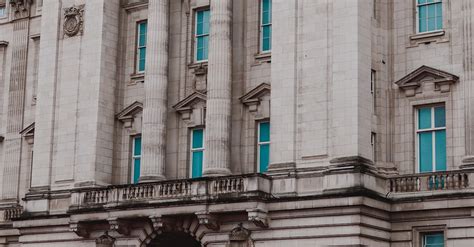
169 191
7 214
436 181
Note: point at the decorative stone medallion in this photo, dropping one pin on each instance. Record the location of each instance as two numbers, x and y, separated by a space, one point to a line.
74 20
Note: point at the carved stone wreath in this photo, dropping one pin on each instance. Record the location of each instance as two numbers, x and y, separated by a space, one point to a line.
73 20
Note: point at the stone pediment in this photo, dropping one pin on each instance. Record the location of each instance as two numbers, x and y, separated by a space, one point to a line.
257 101
127 115
187 103
414 80
192 109
29 133
130 111
255 94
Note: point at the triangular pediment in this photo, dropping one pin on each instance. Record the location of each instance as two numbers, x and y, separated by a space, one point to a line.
130 111
256 93
28 131
425 73
188 102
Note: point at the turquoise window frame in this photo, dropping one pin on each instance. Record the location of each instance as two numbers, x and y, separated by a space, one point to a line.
431 138
136 158
197 153
429 15
263 146
265 26
434 239
142 30
201 34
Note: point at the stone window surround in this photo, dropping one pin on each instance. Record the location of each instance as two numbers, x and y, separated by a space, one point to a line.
419 231
260 56
130 8
416 122
138 73
5 16
437 36
194 10
191 149
413 118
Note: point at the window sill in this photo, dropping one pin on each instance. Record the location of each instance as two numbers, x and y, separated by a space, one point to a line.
137 78
426 35
263 57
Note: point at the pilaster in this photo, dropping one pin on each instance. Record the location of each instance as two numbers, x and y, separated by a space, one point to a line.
219 94
156 88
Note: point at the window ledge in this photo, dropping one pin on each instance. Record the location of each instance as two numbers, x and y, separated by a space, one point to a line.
426 35
195 65
137 77
263 57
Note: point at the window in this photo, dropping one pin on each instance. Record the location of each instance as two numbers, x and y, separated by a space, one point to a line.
141 46
372 89
265 25
429 15
373 140
197 152
202 35
136 158
433 239
431 138
3 11
263 146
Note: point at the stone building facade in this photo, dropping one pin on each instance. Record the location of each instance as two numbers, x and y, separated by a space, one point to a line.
236 123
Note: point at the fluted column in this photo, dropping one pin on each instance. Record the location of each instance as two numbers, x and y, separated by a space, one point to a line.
156 84
218 112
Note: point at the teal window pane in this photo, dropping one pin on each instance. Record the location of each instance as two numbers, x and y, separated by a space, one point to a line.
202 22
440 117
440 145
424 118
426 151
197 160
142 31
434 240
266 11
206 20
137 146
136 170
439 16
421 1
267 38
431 24
264 157
202 48
141 59
431 11
264 135
422 18
198 138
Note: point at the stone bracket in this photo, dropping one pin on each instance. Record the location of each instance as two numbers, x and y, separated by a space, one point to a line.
119 226
79 228
258 216
208 220
160 224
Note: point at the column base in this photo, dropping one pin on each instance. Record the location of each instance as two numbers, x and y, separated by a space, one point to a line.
147 179
216 172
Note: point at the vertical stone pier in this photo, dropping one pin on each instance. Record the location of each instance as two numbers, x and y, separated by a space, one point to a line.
156 87
218 115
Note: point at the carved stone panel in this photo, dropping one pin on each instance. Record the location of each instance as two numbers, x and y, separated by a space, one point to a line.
20 8
73 20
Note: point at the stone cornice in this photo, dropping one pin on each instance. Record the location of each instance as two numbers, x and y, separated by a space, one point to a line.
187 102
413 80
3 43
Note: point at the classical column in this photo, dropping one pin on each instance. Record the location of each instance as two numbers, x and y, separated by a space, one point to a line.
218 105
156 84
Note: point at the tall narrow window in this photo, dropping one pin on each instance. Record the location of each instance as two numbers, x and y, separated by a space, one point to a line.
433 239
202 35
136 158
197 152
3 11
263 144
429 15
372 89
141 45
431 137
373 142
265 25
